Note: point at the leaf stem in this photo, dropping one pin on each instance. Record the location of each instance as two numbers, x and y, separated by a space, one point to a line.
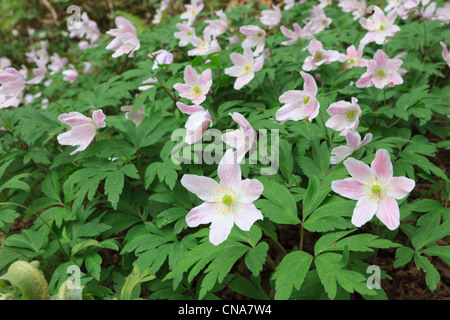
45 222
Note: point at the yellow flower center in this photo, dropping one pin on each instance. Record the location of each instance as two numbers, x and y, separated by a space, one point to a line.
381 73
350 114
197 91
225 200
306 100
318 56
376 190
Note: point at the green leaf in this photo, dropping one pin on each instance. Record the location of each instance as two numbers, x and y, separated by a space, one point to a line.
135 278
113 187
279 205
330 269
403 255
290 273
256 257
432 276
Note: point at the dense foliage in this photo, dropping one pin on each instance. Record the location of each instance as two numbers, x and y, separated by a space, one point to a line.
95 172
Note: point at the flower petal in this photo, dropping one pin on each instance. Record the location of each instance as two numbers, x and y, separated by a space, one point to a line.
246 216
389 213
349 188
249 190
364 211
360 171
382 165
203 187
400 187
202 214
221 228
229 171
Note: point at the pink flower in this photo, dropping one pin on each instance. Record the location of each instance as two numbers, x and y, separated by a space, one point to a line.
445 53
428 12
344 116
57 63
39 72
295 35
379 26
325 3
244 67
271 17
196 86
299 105
192 10
381 72
12 85
443 14
353 58
138 115
160 57
353 143
204 46
241 139
83 129
319 21
254 37
185 35
5 63
226 203
318 56
218 26
70 75
86 28
375 188
126 40
149 80
197 123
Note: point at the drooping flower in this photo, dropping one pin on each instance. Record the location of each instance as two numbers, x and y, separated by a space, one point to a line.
254 37
161 57
354 143
299 105
192 10
242 138
318 21
83 129
39 72
57 63
126 40
71 74
445 53
12 85
195 86
379 26
443 14
86 28
318 56
218 26
197 123
270 17
5 63
244 67
295 35
149 80
375 188
205 46
381 72
185 35
138 115
226 203
353 58
344 116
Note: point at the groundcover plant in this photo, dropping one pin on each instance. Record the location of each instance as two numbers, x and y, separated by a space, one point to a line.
224 149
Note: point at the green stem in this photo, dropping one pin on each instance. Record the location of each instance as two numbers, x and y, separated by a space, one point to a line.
50 98
326 131
270 236
262 88
40 218
302 233
115 145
